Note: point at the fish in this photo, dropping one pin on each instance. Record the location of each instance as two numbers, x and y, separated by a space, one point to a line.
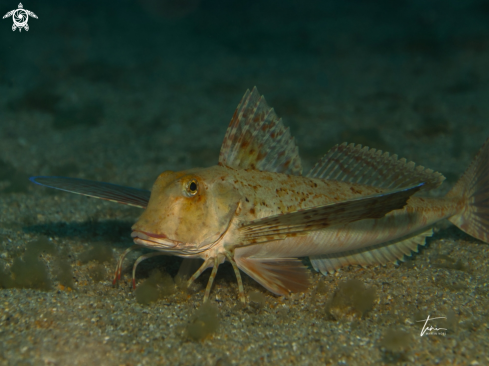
256 210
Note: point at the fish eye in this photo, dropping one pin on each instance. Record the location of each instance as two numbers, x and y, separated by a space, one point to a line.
191 187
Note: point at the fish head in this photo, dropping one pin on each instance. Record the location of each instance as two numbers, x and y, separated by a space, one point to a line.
188 211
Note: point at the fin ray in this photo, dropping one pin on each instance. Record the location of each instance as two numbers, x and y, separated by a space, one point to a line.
392 251
473 190
106 191
356 164
279 276
257 139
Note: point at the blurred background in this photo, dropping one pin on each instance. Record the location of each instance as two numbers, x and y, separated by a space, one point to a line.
122 90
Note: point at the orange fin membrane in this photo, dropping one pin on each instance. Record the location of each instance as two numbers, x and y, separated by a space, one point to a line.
257 139
279 276
354 164
106 191
473 189
377 254
317 218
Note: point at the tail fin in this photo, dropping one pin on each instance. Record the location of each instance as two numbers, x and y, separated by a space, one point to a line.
473 187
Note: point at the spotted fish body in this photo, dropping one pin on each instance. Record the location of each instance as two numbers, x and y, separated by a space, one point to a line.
256 210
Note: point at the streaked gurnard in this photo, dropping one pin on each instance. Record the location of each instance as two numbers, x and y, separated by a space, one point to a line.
255 209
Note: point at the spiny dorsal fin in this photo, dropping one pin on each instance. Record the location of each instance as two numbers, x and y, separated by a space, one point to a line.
354 164
317 218
257 139
376 254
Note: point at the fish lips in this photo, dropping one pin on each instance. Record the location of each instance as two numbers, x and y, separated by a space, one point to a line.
153 240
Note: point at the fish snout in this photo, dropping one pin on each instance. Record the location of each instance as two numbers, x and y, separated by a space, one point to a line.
152 240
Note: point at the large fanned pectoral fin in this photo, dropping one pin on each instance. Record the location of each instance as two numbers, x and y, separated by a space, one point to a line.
376 254
106 191
317 218
279 276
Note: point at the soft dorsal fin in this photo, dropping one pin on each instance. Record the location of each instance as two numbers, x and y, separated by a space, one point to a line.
354 164
257 139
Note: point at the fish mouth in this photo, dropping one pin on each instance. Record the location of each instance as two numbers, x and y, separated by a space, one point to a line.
143 234
152 240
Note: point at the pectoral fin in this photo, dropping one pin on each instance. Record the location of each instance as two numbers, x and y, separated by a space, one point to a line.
376 254
279 276
106 191
317 218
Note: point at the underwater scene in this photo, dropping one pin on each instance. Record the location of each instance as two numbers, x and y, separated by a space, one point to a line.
254 182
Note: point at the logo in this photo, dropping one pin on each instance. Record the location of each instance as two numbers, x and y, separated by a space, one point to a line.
20 17
430 330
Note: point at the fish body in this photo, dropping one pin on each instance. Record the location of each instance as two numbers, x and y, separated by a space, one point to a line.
237 197
256 210
229 198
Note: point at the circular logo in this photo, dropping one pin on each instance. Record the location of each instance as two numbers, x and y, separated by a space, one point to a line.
20 18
